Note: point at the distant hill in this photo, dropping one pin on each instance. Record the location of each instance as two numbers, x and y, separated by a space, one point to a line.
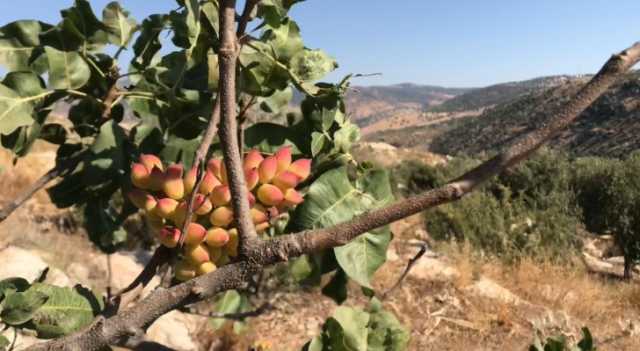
498 94
610 127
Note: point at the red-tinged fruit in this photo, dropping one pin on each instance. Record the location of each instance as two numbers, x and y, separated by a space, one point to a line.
217 237
140 198
197 254
214 165
251 177
283 155
206 267
270 195
151 161
140 177
184 271
301 168
223 174
232 245
268 169
190 179
169 236
260 228
221 217
205 207
258 216
173 185
195 234
220 196
251 198
252 160
156 179
209 182
286 180
166 207
292 198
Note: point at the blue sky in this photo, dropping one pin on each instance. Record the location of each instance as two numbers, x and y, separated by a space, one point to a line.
451 43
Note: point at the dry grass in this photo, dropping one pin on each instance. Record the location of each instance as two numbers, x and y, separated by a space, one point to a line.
15 178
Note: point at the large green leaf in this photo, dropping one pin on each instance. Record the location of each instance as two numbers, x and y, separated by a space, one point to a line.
19 42
121 26
284 40
354 329
148 42
20 307
331 200
311 65
269 137
17 107
104 224
67 69
65 310
80 26
230 302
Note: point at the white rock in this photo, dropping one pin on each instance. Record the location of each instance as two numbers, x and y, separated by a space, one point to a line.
429 268
126 266
22 341
175 330
487 288
18 262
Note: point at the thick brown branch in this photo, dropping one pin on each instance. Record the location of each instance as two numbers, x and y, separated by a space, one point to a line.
228 126
105 331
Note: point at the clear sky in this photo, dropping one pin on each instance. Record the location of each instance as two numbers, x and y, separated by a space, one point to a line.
443 42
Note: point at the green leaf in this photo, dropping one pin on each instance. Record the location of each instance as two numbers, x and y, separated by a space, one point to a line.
54 133
336 288
345 137
81 27
4 342
311 65
12 285
148 43
121 26
301 268
180 150
331 200
186 24
260 75
586 343
19 42
317 143
269 137
277 102
362 257
104 225
66 310
16 110
284 40
230 302
67 70
385 331
18 308
354 326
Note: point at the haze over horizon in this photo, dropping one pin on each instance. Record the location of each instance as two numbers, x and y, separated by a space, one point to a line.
458 43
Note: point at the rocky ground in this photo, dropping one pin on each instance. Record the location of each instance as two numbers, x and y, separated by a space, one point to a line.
450 300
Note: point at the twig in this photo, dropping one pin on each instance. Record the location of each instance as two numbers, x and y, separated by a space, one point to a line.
123 297
58 170
228 54
198 163
410 264
245 18
265 307
235 275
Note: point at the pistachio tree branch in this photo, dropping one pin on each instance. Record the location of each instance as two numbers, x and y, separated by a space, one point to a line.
131 321
198 163
228 55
